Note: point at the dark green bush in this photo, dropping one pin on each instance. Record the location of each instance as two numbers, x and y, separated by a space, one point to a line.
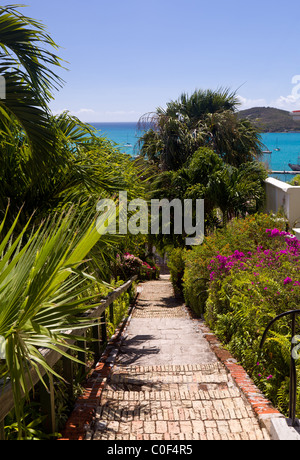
176 266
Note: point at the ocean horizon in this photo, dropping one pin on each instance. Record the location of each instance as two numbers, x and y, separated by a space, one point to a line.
284 147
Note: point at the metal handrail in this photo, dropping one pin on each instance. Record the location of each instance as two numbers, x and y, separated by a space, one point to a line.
293 374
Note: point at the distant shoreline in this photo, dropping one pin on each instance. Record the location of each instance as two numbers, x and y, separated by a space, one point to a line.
280 132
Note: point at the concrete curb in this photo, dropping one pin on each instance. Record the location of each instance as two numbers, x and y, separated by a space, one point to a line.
280 430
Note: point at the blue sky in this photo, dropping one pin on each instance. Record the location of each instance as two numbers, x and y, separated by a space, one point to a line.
128 57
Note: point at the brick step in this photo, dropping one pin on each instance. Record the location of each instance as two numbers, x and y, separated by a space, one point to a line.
161 377
218 409
169 390
207 368
208 434
152 380
175 428
182 393
160 312
169 383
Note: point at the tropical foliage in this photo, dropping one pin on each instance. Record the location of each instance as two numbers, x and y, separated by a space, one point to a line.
203 119
227 191
54 262
43 290
29 66
202 150
239 280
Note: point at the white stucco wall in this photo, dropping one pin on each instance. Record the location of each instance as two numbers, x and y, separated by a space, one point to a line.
280 195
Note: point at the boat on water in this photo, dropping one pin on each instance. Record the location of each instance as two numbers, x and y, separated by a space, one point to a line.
127 143
295 167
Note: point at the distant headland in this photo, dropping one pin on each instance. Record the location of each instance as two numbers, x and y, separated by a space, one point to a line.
270 119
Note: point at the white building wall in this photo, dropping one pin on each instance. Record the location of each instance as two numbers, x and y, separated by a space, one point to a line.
282 196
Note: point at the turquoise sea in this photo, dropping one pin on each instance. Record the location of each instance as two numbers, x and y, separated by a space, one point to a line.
289 145
126 136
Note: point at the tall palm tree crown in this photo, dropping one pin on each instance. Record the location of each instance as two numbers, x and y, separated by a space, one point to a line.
205 118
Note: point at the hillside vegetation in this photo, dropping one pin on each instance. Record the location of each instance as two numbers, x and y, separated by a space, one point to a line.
269 119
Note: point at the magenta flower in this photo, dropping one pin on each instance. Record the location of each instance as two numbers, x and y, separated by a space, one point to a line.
287 281
275 232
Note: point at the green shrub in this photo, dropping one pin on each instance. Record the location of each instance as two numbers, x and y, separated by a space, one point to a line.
240 234
240 279
176 266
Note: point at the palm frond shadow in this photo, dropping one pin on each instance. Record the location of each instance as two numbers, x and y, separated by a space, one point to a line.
130 351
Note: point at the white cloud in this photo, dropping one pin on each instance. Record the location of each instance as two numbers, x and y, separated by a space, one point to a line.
291 101
91 115
75 113
249 103
85 111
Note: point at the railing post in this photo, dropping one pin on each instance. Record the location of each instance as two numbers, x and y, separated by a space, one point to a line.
2 434
82 356
111 313
68 375
47 404
97 343
103 329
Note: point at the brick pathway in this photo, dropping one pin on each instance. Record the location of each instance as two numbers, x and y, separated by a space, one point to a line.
167 383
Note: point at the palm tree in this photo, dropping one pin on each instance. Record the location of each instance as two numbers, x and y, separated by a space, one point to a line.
238 191
235 141
235 191
206 118
26 62
200 103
